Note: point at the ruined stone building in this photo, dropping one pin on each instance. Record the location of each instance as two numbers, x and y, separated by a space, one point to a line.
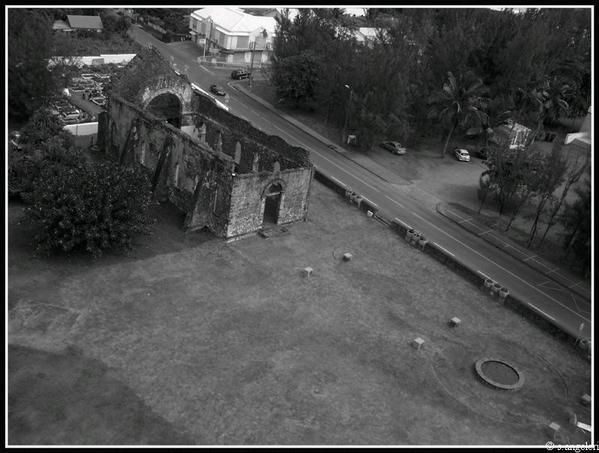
224 173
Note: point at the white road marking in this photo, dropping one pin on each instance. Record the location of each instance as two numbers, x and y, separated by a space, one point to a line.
396 202
206 69
444 249
484 232
529 257
541 311
503 268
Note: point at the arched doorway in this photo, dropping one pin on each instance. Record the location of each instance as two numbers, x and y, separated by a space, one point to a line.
168 107
272 203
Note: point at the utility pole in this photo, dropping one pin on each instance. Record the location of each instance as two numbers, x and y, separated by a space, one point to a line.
351 92
253 48
207 41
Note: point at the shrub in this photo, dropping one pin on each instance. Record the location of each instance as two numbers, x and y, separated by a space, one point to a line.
25 164
89 207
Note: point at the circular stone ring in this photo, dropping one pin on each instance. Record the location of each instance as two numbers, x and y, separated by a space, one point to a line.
499 374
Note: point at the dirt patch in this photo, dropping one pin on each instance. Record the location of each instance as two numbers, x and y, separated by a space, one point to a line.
229 344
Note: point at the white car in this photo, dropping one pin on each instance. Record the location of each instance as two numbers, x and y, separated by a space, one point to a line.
461 154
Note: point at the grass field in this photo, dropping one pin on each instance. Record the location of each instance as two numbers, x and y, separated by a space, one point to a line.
190 340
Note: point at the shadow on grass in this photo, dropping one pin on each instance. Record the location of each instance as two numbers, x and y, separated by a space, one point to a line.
67 399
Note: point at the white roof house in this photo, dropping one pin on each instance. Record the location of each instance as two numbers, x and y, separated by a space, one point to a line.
231 28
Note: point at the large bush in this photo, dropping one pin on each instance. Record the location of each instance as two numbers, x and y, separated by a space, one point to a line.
43 142
89 207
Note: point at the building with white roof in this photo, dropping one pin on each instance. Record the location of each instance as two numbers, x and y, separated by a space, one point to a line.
233 34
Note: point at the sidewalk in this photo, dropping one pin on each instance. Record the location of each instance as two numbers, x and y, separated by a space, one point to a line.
551 271
495 238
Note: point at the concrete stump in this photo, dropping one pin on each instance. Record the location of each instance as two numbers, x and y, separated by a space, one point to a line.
552 429
369 213
307 272
585 400
417 343
347 256
573 419
455 322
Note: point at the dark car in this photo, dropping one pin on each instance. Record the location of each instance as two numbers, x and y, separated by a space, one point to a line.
394 147
481 153
239 74
217 89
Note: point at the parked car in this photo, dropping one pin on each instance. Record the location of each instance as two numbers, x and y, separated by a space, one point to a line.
478 151
239 74
394 147
217 89
461 154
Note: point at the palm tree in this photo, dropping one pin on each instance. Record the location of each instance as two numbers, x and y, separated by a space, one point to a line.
495 114
457 103
548 100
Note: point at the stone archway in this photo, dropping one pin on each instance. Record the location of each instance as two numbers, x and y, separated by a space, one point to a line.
272 203
167 106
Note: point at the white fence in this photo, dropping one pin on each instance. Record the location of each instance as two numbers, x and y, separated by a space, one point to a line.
82 129
120 58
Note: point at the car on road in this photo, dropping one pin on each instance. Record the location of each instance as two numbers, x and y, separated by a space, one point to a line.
217 89
461 154
239 74
393 147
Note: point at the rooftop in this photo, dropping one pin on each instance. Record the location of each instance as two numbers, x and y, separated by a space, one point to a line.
234 20
85 22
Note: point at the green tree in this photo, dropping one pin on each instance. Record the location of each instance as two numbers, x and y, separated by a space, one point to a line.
456 103
43 142
575 171
551 175
577 222
89 207
296 79
29 44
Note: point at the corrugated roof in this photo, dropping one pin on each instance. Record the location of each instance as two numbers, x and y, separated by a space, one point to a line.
235 21
86 22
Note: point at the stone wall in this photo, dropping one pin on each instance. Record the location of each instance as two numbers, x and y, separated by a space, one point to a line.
247 199
185 172
270 147
217 169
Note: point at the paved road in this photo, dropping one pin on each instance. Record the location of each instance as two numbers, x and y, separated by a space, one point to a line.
403 201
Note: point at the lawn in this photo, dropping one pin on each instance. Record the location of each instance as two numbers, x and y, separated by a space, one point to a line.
189 339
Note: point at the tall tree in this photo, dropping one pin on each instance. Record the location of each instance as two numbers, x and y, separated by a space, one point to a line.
456 103
577 222
551 175
29 44
575 171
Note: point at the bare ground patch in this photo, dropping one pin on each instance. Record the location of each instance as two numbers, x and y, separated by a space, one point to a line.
229 344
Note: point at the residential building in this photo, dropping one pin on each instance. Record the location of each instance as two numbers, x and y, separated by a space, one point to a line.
233 36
